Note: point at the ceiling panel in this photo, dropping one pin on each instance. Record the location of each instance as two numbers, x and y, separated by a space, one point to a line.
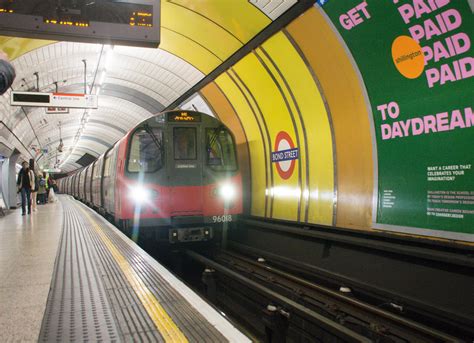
132 83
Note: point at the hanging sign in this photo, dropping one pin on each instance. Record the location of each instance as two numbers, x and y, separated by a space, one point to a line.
64 100
57 110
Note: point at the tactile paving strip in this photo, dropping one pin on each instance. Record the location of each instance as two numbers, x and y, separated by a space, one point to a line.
189 320
77 291
77 309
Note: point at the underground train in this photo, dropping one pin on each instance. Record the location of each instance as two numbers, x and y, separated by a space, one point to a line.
174 176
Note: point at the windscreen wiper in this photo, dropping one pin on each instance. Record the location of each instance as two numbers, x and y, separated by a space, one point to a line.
153 137
213 138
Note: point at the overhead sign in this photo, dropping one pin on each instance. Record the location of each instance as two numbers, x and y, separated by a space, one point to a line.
61 100
126 22
57 110
285 155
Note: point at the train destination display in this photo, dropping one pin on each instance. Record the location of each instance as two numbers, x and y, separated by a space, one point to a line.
421 109
126 22
184 117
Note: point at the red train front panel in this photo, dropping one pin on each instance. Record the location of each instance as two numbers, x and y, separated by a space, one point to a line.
190 189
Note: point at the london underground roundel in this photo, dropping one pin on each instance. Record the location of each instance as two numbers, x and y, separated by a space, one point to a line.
284 155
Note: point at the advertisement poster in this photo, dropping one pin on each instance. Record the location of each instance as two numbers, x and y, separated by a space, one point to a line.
416 61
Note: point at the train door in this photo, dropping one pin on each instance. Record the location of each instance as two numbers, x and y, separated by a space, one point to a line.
184 167
107 184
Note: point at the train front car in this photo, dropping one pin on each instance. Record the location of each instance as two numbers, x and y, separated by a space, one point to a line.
180 180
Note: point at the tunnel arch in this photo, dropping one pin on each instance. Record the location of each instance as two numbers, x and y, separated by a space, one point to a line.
312 80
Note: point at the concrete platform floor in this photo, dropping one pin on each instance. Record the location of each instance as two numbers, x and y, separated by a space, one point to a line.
28 248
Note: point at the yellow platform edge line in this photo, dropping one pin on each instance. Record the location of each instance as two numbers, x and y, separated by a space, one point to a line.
164 323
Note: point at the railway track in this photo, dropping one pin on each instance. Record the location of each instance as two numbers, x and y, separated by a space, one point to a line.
431 281
340 314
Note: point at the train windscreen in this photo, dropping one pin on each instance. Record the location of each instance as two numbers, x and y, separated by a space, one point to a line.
184 142
146 150
220 150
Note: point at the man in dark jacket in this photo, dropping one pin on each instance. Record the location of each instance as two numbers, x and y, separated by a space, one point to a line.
25 183
7 73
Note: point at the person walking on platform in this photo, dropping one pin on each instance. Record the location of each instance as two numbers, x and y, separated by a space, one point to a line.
34 193
7 73
41 189
46 179
25 183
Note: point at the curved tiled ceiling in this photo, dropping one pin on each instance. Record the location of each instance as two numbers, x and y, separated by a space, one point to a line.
133 83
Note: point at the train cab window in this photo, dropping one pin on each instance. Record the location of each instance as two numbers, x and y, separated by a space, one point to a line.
220 150
184 142
146 150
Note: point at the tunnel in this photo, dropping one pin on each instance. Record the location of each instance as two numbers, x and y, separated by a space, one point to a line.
269 67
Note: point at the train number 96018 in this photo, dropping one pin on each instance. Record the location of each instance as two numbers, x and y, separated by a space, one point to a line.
226 218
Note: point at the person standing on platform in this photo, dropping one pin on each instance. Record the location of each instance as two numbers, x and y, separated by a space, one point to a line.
34 193
7 73
45 178
41 189
25 183
49 182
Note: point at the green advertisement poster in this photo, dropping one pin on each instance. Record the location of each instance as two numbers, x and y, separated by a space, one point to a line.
416 60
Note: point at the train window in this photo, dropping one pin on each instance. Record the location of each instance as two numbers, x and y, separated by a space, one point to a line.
97 168
184 142
146 150
220 150
107 165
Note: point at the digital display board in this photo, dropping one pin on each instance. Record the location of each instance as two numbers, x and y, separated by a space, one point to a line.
184 117
121 22
41 98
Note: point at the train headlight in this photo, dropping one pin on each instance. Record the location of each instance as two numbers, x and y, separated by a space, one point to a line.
140 195
227 191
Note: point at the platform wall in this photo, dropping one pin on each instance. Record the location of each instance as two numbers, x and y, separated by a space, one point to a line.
382 133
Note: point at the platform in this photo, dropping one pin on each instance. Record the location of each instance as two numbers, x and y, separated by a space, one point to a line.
66 274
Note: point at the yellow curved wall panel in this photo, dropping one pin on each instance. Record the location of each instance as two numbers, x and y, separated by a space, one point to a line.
343 91
15 47
240 18
314 130
199 29
285 193
190 51
257 156
224 110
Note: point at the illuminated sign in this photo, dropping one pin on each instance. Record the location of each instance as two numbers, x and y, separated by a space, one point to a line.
184 117
126 22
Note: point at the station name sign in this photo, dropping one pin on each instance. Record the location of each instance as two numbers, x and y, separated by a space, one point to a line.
285 155
58 100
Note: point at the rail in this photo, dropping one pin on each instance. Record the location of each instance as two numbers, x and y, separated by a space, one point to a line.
430 279
376 320
336 329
